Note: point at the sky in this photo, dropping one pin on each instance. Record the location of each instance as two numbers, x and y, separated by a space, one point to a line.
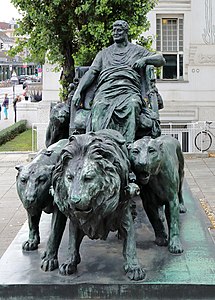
7 11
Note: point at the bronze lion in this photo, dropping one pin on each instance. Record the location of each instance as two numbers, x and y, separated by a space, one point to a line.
58 127
33 182
159 167
91 188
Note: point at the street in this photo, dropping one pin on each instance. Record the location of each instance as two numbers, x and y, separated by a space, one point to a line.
9 91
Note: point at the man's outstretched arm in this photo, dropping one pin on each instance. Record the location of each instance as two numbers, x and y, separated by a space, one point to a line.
156 59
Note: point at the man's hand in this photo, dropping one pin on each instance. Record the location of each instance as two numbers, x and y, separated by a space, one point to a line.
140 63
76 99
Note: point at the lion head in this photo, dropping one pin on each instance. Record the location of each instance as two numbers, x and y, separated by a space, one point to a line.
91 175
146 156
33 183
60 114
34 180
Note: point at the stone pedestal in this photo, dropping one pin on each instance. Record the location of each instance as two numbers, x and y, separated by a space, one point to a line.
27 110
100 274
50 93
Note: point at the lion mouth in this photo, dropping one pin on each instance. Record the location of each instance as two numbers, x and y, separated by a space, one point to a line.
82 215
61 119
85 210
144 178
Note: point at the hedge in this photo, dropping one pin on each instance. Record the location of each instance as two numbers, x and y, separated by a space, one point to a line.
12 131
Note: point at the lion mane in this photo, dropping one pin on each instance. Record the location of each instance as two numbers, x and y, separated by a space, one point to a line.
106 148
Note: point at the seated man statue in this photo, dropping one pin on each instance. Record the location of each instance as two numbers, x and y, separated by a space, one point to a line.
118 102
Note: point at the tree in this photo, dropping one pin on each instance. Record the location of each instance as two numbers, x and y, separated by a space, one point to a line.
73 31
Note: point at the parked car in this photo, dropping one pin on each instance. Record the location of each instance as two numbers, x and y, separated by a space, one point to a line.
22 78
34 78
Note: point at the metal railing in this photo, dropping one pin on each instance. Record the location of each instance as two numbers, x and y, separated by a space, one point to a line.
193 137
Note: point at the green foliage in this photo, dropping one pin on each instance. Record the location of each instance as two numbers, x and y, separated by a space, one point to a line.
12 131
73 31
22 142
146 42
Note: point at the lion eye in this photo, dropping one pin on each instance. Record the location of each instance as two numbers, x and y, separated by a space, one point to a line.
42 179
135 151
23 180
151 150
69 177
88 177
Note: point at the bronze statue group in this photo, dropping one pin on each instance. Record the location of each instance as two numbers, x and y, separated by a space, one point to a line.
104 147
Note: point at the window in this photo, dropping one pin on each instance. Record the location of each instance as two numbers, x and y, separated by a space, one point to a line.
170 41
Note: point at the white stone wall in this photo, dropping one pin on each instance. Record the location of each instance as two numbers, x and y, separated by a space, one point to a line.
27 110
194 98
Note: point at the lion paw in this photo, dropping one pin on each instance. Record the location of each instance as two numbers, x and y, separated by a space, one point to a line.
135 272
68 268
30 245
182 208
175 246
49 264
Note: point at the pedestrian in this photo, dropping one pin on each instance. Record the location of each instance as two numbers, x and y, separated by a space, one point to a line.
0 111
25 93
17 99
5 104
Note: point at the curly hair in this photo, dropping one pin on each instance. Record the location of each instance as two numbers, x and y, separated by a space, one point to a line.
121 23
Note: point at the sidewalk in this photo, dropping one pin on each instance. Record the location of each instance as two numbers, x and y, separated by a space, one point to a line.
200 176
10 121
199 173
12 213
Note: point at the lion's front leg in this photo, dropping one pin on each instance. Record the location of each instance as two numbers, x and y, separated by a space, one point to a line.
131 266
49 258
34 235
172 215
75 238
155 215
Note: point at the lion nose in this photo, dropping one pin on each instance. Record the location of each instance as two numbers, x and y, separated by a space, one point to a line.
143 162
31 199
76 199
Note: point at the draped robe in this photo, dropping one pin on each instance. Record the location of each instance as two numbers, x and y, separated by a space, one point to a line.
117 103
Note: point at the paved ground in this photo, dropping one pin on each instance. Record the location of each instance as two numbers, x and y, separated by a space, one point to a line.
10 121
12 213
199 173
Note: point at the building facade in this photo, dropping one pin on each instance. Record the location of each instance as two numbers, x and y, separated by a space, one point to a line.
184 31
8 64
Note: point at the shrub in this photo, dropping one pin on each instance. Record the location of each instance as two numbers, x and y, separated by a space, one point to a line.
12 131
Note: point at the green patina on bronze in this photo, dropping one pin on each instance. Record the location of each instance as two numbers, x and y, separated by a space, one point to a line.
33 182
91 187
119 71
159 167
116 103
58 127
